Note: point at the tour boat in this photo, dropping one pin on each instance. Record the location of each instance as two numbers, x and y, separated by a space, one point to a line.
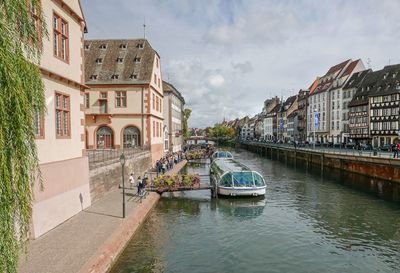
221 154
232 178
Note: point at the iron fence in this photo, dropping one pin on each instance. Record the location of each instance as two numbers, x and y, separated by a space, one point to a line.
100 157
331 150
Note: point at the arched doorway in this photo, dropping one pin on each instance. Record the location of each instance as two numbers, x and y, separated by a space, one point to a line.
131 137
104 138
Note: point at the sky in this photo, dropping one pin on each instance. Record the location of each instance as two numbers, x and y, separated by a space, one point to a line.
227 56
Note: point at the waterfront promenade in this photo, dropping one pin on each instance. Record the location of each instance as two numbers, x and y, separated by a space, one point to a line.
91 240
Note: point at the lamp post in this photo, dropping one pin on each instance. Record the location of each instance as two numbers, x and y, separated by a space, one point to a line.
122 160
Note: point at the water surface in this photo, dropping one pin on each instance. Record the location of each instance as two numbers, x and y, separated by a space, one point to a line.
304 224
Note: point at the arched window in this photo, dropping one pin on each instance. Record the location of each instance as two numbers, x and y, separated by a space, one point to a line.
131 137
104 138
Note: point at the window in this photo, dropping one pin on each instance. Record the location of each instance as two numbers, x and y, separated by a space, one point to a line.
157 103
37 23
103 102
154 128
62 115
131 137
159 82
38 124
120 98
155 79
99 61
157 62
154 101
103 46
115 77
87 100
136 59
139 46
120 60
87 47
60 38
133 76
93 77
122 46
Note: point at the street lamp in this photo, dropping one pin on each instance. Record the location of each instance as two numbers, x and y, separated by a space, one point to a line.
122 160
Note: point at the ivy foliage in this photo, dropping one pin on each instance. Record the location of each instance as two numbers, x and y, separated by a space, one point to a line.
21 97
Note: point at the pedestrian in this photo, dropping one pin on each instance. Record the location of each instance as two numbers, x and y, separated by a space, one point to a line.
132 180
140 185
398 149
395 151
164 167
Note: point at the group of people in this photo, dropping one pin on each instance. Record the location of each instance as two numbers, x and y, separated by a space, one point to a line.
168 162
141 183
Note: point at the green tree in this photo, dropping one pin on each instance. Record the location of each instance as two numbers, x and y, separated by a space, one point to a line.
186 116
21 98
222 131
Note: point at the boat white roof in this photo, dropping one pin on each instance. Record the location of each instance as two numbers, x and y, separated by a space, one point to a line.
229 164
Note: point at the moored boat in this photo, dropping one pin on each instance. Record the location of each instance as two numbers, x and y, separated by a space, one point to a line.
232 178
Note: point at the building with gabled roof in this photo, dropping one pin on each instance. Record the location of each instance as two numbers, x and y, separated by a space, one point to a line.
60 131
384 105
173 118
124 105
319 100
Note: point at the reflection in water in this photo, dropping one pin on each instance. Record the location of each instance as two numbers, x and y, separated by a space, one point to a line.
243 208
305 224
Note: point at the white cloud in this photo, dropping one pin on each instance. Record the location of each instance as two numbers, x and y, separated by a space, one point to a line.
216 80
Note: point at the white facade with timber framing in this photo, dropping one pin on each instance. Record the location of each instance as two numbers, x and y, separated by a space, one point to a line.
60 133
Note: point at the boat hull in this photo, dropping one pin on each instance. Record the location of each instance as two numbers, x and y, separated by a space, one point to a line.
243 191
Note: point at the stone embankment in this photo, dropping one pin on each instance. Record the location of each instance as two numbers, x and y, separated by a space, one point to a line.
92 240
380 175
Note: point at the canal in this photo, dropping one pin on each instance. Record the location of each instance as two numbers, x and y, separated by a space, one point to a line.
305 224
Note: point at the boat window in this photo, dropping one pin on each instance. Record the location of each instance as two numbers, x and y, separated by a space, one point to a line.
258 180
228 155
243 179
222 154
226 180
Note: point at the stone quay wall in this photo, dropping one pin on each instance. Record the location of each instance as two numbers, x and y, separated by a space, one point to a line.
377 175
106 177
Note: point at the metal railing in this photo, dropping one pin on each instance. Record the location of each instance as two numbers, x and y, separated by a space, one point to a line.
101 157
331 150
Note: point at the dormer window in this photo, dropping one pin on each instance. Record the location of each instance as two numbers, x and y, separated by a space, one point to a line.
133 76
93 77
87 47
99 61
120 60
122 46
115 77
103 46
137 59
385 76
394 75
140 46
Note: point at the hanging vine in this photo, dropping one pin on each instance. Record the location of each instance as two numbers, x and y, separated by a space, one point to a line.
21 95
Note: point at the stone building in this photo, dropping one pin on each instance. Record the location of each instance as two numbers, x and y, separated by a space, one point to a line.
124 105
285 110
173 118
302 97
60 132
270 124
292 126
338 100
327 108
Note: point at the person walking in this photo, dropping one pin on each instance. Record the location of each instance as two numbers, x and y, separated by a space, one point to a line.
132 180
140 185
397 149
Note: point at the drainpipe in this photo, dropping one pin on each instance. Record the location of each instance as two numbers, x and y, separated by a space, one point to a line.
142 110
